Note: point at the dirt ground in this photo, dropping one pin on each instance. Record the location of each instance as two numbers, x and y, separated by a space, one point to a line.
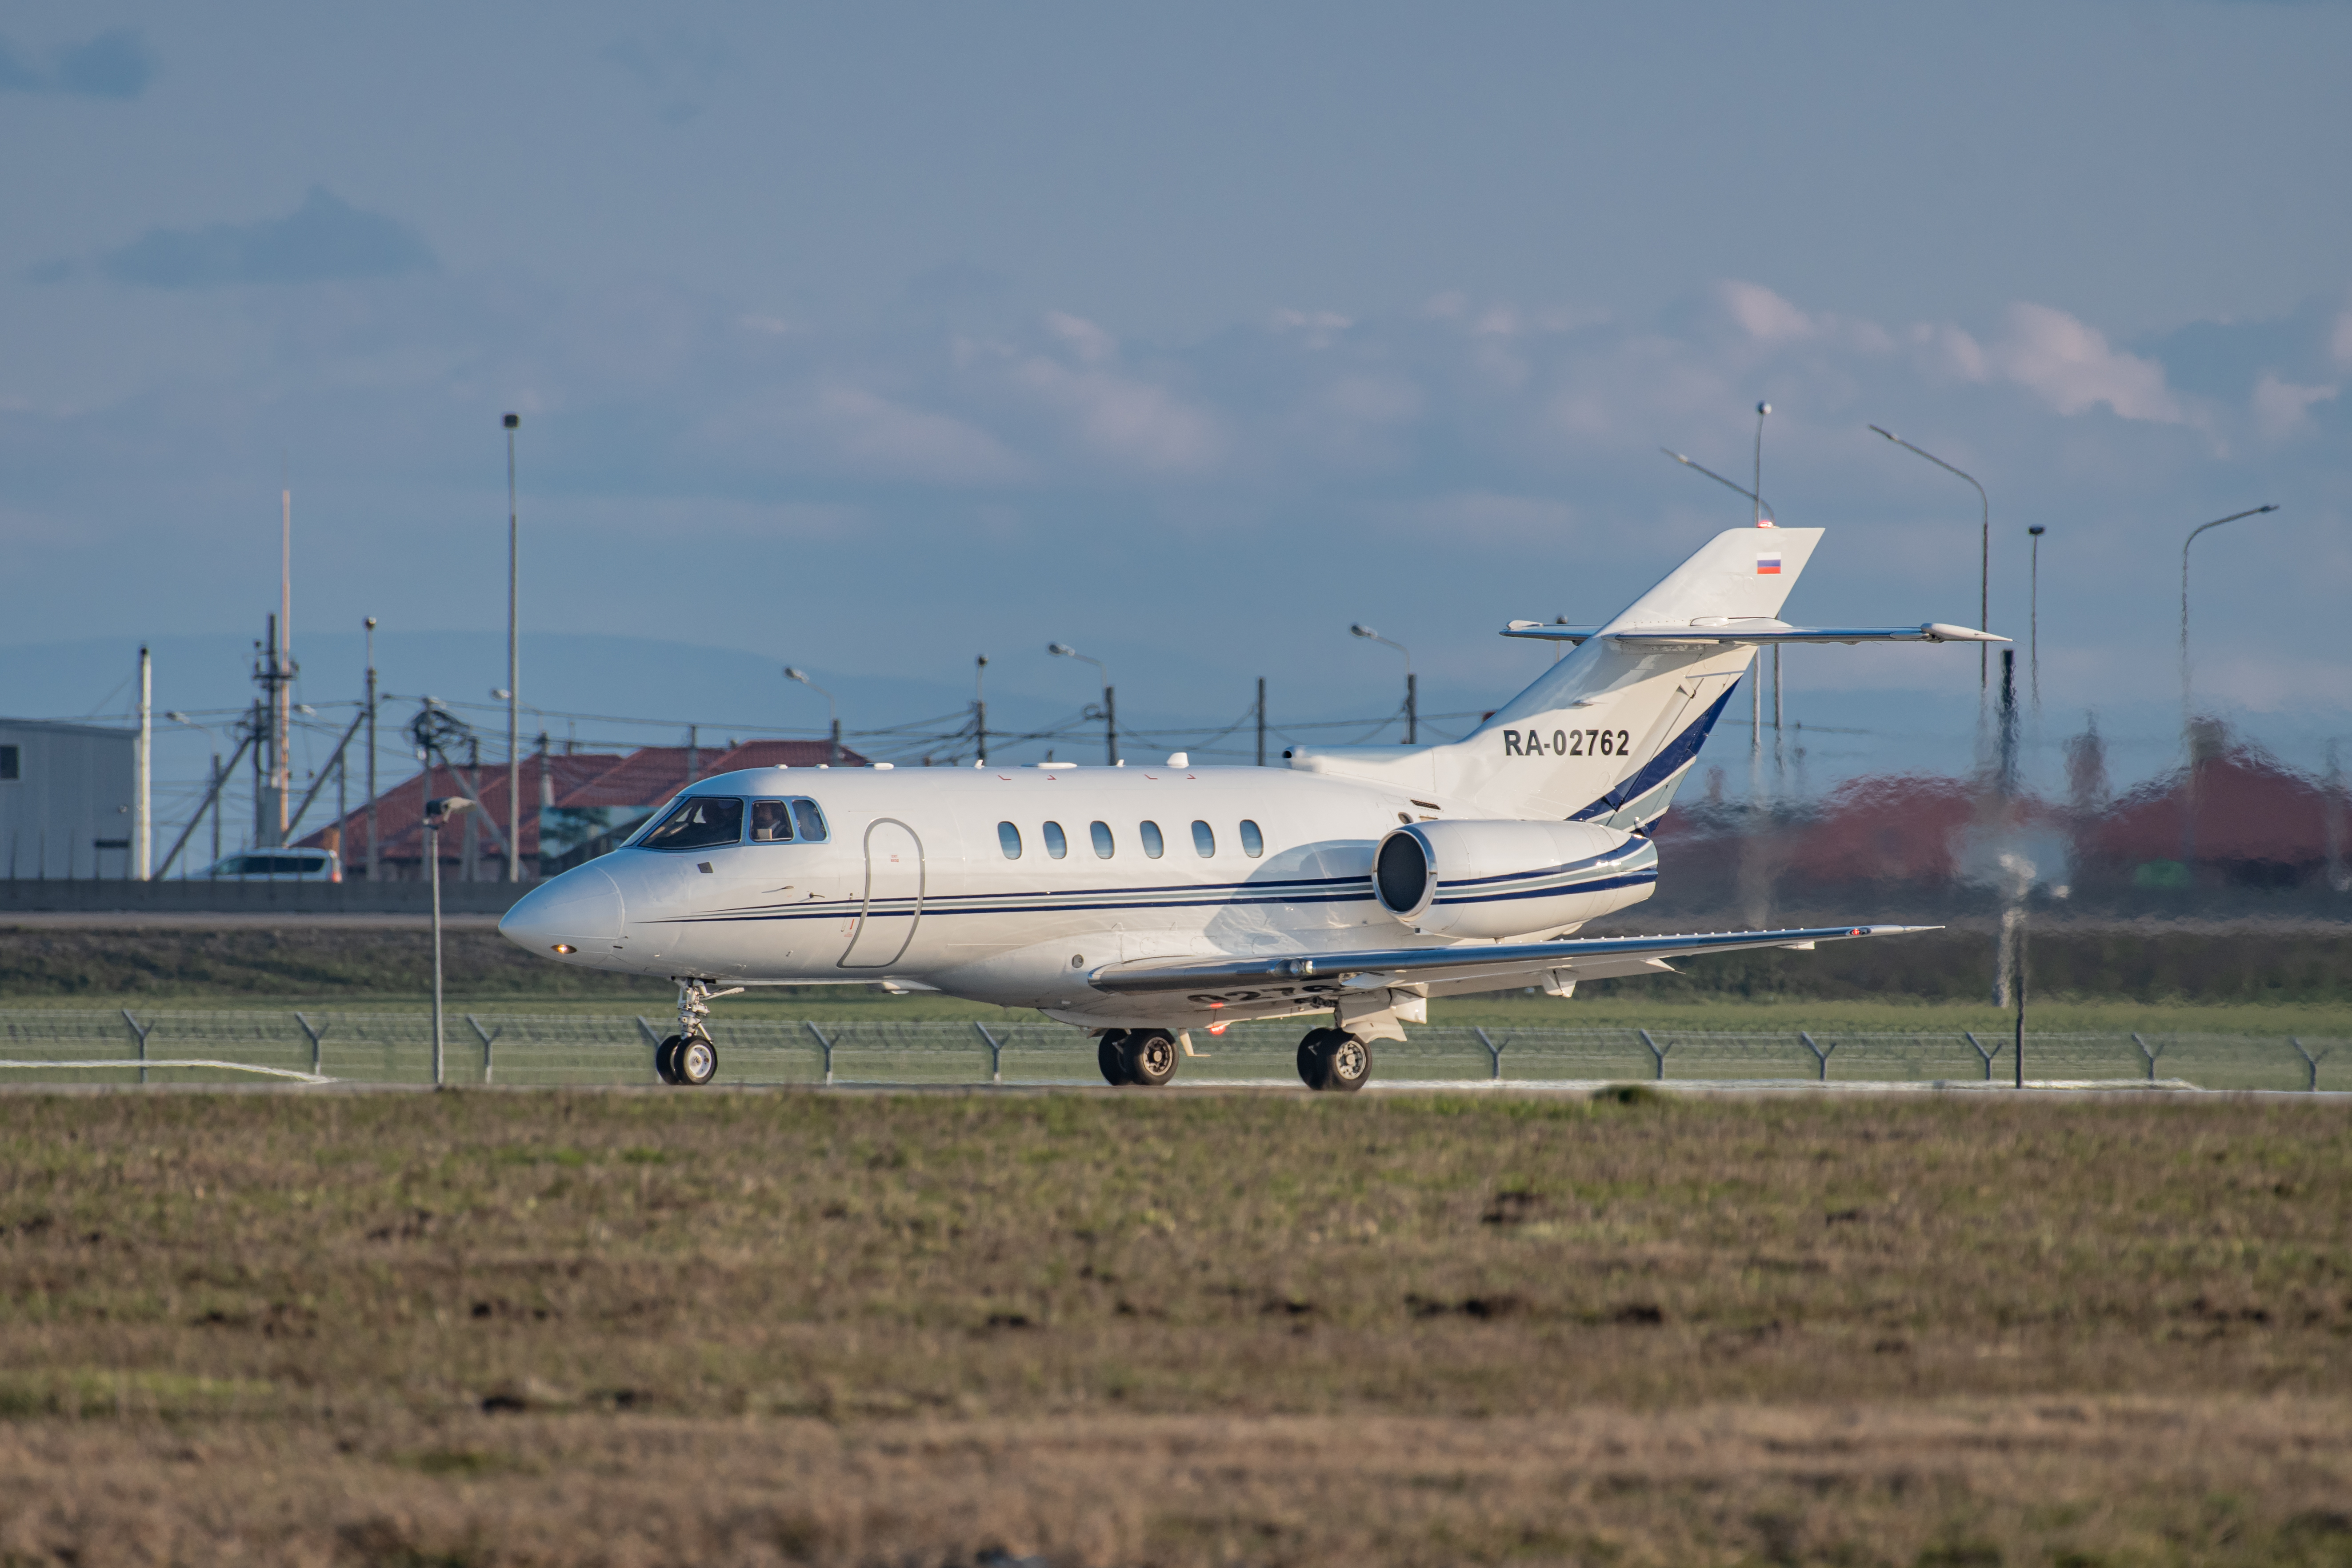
1114 1327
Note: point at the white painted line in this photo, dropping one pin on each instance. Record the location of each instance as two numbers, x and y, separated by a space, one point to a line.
181 1062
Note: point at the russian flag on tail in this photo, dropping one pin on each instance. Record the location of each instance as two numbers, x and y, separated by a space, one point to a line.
1767 564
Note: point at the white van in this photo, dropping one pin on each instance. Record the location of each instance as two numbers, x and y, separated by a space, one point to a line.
274 865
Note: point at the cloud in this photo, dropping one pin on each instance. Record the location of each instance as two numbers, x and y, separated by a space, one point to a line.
115 64
326 239
2070 365
2282 408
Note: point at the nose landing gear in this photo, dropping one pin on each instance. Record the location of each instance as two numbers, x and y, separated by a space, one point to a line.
1146 1057
689 1057
1334 1059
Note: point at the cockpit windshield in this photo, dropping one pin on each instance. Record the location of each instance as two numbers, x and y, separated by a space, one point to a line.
697 821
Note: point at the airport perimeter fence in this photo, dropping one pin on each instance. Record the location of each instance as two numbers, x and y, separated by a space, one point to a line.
132 1046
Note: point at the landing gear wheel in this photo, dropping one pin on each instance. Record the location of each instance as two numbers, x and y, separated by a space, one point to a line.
1334 1059
666 1060
1110 1055
1314 1060
1351 1063
696 1061
1151 1057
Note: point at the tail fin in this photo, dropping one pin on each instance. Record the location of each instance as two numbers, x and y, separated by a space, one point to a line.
1607 733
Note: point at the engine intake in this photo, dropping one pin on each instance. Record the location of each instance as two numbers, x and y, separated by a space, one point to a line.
1509 879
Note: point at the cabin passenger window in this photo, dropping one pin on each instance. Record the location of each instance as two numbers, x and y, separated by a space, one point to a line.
810 820
771 821
1204 840
1104 847
1252 841
1150 833
1056 845
698 821
1008 838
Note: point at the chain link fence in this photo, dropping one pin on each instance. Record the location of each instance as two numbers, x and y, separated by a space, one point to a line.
87 1046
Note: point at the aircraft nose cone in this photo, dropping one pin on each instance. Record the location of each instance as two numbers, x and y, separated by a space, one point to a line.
582 905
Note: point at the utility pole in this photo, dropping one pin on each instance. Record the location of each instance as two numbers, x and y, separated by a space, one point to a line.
1261 720
514 673
143 849
374 843
1757 493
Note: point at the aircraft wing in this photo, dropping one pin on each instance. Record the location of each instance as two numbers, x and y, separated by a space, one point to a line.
1392 966
1727 633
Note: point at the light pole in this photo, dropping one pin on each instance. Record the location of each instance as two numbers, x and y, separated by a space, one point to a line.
1412 687
2249 512
437 813
2033 621
375 848
1984 562
514 681
1764 518
1110 703
832 713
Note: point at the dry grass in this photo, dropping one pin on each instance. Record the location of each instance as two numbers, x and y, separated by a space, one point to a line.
1179 1327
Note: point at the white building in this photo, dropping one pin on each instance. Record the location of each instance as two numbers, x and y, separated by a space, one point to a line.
66 795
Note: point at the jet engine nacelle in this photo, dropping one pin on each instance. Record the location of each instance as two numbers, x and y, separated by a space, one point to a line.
1509 879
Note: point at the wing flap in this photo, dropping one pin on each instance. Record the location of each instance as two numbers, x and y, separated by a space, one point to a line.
1371 969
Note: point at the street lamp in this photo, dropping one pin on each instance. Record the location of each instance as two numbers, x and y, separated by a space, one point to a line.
437 813
1984 562
1764 518
1412 687
2249 512
2033 619
213 779
514 680
832 712
1111 705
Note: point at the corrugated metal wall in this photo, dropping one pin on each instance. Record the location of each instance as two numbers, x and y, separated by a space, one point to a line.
73 791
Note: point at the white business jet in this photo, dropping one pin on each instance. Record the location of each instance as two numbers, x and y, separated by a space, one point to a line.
1142 902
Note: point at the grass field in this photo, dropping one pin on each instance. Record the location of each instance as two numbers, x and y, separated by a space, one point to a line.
476 1328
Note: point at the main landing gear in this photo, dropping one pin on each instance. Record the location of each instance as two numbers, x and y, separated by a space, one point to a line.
1146 1057
687 1056
1334 1059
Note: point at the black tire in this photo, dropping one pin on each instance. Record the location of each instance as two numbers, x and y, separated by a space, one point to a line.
1315 1058
696 1062
1110 1055
1151 1057
666 1060
1348 1063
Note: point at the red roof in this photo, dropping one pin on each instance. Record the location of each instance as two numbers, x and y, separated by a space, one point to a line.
642 779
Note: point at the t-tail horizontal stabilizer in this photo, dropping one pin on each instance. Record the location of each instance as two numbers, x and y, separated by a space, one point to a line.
1725 634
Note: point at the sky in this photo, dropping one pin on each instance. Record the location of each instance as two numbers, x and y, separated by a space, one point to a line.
870 338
